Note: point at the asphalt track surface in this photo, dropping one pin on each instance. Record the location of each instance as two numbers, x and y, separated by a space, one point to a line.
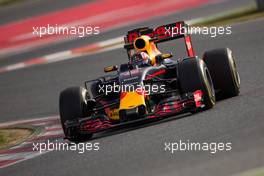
33 92
31 8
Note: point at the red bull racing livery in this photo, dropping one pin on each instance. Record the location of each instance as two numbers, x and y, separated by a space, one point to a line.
150 86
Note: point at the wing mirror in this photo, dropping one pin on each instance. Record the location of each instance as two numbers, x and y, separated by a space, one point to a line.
161 57
166 55
110 68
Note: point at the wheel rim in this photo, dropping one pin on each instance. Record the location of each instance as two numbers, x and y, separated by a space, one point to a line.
235 72
210 86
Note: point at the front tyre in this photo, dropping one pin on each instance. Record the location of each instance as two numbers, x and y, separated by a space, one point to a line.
194 75
72 105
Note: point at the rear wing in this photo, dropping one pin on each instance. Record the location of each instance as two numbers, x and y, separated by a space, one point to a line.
161 34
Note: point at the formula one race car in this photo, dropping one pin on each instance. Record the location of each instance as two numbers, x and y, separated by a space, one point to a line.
150 86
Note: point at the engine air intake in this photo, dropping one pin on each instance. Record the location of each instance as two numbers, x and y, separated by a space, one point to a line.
140 43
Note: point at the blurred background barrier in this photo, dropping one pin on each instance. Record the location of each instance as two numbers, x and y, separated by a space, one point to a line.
260 4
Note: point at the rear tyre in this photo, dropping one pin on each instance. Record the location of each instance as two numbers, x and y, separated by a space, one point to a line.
194 75
222 66
73 106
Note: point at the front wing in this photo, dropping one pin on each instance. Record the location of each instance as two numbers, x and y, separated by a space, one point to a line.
189 102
